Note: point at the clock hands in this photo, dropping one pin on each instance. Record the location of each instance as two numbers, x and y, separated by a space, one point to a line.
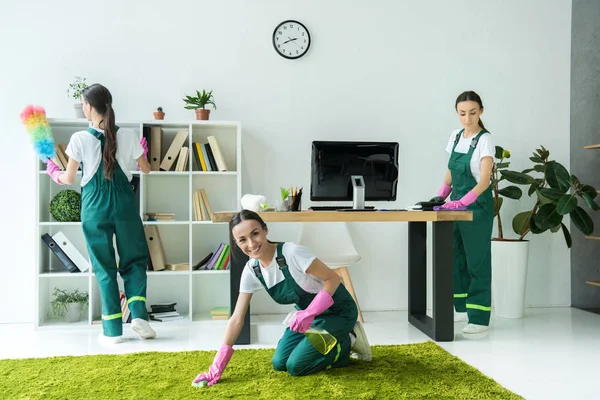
291 40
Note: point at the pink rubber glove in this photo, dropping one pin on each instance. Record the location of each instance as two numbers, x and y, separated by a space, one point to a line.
144 144
218 366
463 202
304 318
444 191
53 170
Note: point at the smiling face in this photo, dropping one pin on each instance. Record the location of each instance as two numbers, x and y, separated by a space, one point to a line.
251 238
468 114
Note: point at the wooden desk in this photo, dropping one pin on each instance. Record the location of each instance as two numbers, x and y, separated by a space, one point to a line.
441 326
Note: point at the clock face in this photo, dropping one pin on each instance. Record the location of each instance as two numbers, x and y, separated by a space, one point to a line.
291 39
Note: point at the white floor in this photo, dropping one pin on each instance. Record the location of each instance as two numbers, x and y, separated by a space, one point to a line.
550 354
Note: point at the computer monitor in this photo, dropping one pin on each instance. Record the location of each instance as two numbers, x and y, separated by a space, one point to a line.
336 166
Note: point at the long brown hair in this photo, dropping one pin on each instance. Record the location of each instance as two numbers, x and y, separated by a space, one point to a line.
470 95
100 99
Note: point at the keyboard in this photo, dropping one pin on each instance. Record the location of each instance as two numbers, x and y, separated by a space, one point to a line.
335 208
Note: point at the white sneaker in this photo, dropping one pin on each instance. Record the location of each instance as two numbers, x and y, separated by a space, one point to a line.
110 340
143 328
361 348
474 331
460 316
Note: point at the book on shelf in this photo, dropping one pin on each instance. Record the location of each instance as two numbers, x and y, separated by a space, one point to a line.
218 261
177 267
208 156
201 206
159 216
220 313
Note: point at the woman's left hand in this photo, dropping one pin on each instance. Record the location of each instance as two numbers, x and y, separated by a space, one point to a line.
302 321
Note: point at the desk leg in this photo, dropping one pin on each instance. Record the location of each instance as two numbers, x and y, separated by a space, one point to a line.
237 262
441 326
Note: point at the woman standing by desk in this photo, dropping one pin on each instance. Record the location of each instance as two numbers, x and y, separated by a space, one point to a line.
468 178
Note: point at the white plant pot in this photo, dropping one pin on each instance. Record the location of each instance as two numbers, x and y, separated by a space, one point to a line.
78 110
73 313
509 275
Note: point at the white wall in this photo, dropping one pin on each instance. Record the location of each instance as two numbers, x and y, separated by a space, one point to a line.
389 70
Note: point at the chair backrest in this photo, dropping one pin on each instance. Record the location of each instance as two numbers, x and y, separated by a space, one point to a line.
331 242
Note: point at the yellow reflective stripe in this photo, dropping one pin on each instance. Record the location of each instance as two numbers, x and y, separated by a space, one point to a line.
460 295
136 298
478 307
113 316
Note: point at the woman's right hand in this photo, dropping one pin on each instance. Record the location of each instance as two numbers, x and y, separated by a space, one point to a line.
218 366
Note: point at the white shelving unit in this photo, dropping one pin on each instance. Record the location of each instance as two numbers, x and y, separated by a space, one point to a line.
184 240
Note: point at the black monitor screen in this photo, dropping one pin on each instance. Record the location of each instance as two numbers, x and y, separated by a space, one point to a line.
332 164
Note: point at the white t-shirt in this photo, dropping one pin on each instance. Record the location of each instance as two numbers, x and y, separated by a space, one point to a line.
298 260
84 146
484 148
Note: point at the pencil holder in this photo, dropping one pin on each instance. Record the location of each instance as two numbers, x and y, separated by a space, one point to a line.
296 202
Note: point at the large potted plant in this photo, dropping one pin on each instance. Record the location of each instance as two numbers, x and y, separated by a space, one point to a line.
199 102
68 304
75 91
557 194
509 256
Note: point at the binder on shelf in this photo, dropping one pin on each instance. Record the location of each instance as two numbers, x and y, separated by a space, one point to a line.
62 257
156 147
218 155
71 251
174 149
157 254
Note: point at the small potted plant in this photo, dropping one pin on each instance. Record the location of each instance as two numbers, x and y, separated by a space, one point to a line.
159 114
69 304
283 204
75 91
199 102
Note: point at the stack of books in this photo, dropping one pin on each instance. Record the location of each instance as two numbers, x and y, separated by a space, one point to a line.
164 312
219 313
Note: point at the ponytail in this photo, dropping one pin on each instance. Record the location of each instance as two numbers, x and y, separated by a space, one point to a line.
110 145
481 124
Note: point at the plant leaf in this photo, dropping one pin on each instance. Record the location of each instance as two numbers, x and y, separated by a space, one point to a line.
566 204
567 235
557 176
520 222
555 228
543 199
540 168
502 165
546 217
590 191
582 221
528 170
536 159
590 202
534 186
499 151
552 194
517 177
512 192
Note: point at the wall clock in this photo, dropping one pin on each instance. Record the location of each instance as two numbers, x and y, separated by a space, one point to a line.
291 39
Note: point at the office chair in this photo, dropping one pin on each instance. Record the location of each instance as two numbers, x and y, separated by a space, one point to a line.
332 244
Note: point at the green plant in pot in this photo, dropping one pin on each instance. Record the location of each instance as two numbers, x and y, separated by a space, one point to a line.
284 203
199 102
159 113
68 304
557 193
65 206
75 90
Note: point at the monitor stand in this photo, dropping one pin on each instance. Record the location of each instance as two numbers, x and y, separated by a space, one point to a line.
358 192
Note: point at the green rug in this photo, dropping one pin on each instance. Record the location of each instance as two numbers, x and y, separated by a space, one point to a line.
415 371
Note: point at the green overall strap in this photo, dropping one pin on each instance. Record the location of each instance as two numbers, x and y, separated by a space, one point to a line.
280 261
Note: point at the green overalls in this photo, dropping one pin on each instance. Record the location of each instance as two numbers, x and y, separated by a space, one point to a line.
294 353
472 241
108 207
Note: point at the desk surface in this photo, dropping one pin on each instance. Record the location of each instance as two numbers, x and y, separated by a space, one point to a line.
353 216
